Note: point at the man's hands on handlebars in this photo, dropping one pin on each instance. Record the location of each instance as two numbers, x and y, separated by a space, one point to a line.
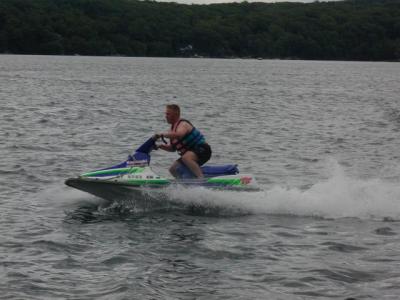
164 146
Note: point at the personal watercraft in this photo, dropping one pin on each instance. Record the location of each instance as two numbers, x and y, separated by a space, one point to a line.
134 177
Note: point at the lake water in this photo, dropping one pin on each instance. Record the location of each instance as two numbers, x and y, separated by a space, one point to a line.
322 139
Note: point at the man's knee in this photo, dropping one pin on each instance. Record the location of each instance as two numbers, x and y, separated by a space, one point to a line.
189 156
173 169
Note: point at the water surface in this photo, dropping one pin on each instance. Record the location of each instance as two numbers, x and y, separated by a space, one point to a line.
322 139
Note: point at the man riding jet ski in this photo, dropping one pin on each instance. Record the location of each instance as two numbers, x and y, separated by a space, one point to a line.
132 177
187 140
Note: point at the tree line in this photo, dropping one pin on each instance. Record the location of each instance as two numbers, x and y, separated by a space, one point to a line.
344 30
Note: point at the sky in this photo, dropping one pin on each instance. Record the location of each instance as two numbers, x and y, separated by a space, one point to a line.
224 1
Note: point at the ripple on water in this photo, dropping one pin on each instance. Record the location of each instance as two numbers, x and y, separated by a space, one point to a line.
346 275
117 260
341 247
66 263
385 231
59 247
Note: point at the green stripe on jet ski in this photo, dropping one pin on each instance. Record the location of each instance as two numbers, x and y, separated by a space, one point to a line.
148 181
119 171
225 181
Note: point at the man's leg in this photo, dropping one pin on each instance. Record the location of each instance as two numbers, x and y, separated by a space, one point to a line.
173 168
190 160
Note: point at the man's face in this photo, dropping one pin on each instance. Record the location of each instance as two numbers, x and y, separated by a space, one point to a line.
171 116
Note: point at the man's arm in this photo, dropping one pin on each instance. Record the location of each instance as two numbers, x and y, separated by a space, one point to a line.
166 147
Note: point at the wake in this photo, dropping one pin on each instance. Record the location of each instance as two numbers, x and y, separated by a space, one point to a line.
339 196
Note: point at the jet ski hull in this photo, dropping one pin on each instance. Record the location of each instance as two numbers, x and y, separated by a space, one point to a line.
124 190
106 190
134 179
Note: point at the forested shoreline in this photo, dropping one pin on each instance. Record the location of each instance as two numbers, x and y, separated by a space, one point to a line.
345 30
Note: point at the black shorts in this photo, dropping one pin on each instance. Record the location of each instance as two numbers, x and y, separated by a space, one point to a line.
203 153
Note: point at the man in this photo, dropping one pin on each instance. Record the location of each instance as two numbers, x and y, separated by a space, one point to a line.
186 140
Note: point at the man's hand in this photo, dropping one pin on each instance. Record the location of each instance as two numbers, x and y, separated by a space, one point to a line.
165 147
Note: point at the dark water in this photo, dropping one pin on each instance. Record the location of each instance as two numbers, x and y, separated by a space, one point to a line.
322 138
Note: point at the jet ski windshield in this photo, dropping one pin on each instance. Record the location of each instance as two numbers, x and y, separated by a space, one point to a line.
147 147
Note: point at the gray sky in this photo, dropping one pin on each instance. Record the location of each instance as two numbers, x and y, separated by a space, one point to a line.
224 1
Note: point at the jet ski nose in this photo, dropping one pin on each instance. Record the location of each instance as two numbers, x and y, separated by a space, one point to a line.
71 182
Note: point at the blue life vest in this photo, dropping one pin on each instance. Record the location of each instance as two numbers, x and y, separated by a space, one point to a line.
189 141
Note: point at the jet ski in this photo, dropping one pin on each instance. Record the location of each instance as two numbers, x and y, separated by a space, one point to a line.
134 177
